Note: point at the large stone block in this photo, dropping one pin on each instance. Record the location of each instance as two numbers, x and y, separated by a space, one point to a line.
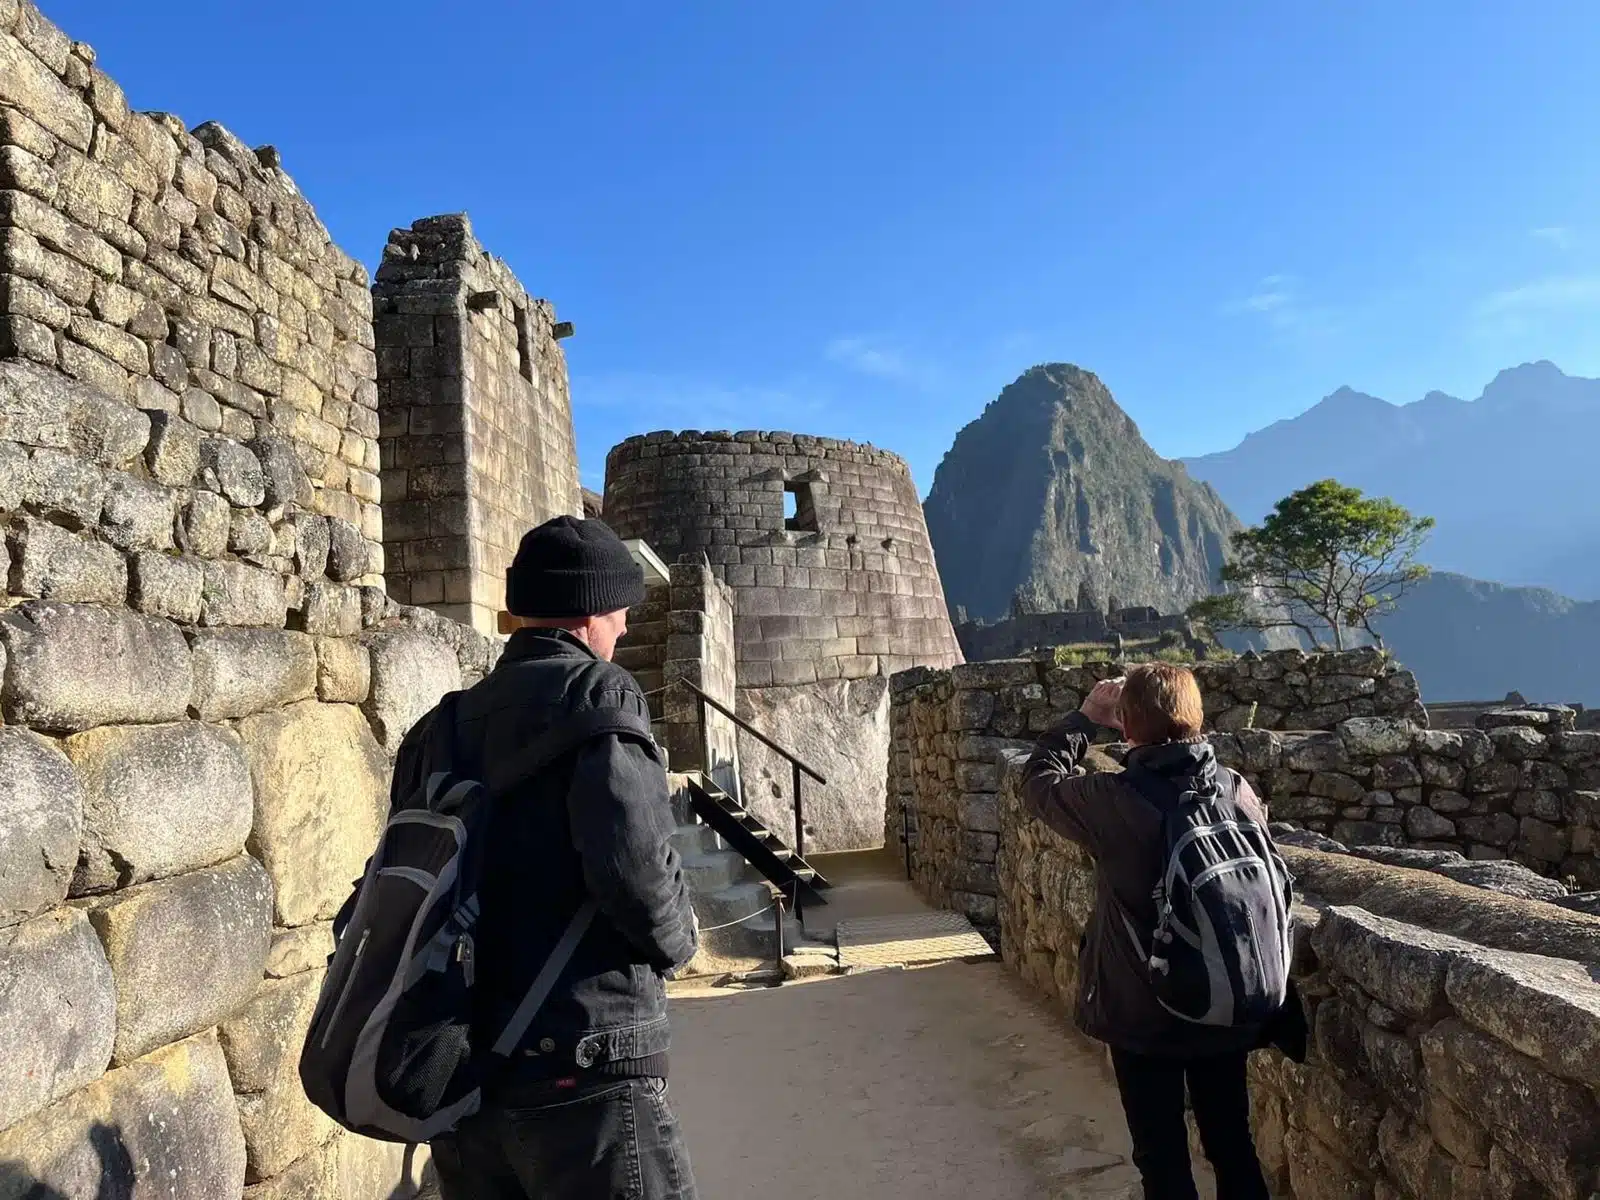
58 1006
158 800
1548 1008
410 672
43 408
321 785
344 670
1550 1124
162 1128
840 729
1397 964
262 1043
75 666
186 952
41 824
51 563
236 593
166 586
238 672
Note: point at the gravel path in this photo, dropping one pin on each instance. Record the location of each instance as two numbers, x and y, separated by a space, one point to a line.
953 1081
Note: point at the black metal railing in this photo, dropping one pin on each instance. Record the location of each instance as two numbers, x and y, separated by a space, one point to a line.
797 767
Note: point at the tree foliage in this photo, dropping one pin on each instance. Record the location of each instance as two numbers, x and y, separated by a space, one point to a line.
1327 561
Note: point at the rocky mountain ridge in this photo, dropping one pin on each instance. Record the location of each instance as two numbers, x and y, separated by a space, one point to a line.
1053 494
1492 472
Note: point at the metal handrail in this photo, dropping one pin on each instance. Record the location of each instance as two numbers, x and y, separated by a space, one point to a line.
751 730
796 765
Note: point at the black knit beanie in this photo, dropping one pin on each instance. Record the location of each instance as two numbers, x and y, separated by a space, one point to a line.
569 567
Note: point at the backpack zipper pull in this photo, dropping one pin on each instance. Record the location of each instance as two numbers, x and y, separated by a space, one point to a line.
464 956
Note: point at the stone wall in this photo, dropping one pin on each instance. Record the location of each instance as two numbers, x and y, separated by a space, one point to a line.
945 726
181 273
684 631
477 440
828 600
1526 787
1016 635
1453 1039
203 677
183 807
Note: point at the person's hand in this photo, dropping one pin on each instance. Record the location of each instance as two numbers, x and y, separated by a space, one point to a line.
1103 703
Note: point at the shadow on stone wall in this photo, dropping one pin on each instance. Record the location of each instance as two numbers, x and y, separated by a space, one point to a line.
116 1180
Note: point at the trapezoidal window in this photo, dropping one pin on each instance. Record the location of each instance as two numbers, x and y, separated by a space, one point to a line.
799 509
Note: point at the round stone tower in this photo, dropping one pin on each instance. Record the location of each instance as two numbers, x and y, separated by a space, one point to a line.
834 584
822 542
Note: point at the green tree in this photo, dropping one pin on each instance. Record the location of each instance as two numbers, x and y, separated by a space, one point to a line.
1326 561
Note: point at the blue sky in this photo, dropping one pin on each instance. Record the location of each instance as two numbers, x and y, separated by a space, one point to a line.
862 219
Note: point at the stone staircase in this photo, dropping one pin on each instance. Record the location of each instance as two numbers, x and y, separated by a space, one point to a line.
733 901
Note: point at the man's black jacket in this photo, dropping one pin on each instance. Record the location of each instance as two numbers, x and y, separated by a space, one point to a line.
595 824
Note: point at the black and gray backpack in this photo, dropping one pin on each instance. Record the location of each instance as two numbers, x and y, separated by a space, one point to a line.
1221 948
391 1052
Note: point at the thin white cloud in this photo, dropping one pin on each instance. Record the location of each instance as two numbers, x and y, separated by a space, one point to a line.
1558 236
867 356
1277 300
1543 295
1273 294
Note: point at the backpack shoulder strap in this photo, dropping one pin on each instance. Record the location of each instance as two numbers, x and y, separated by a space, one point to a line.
545 981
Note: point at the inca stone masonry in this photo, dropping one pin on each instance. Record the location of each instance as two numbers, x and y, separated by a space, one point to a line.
256 510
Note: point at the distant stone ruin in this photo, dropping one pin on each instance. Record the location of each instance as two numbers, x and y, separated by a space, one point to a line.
1026 632
823 546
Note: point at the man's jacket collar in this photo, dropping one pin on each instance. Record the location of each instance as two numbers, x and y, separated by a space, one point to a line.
544 643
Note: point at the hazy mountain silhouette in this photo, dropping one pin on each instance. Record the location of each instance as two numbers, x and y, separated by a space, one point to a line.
1508 476
1471 640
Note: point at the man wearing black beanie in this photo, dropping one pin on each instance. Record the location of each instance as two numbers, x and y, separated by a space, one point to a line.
581 1112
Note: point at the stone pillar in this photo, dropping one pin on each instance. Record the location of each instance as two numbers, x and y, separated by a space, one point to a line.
476 435
700 650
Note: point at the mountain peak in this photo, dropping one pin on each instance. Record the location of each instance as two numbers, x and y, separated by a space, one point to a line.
1541 385
1054 493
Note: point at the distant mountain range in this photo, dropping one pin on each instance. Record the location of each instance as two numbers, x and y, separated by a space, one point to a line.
1509 477
1053 493
1470 640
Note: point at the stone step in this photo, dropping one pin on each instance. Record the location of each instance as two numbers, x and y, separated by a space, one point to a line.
711 871
691 839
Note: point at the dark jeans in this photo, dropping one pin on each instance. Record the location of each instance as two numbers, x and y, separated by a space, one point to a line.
614 1140
1152 1098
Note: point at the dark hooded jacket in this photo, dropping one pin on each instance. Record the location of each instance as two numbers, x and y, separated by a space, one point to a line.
1123 831
595 824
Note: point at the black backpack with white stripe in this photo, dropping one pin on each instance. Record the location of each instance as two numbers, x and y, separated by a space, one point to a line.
392 1052
1220 952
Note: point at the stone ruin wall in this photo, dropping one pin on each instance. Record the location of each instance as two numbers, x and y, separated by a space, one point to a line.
1453 1028
181 272
1525 788
476 435
1018 634
203 676
1454 1009
684 630
825 607
945 726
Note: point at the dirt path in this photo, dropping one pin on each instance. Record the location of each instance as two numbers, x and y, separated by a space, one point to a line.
949 1082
